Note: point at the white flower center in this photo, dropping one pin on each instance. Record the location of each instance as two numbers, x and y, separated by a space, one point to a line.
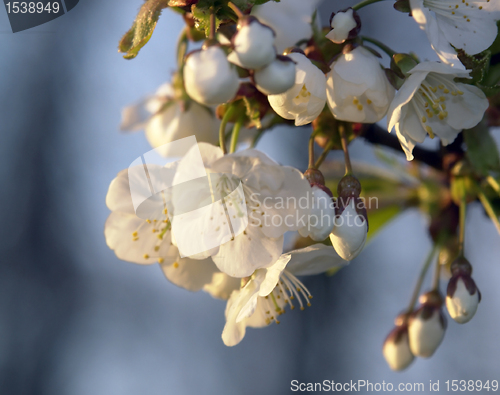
431 97
159 227
288 289
303 96
356 101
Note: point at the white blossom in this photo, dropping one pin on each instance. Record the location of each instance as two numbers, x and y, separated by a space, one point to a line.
262 300
290 19
253 45
468 25
209 78
306 99
430 102
275 78
357 88
342 24
147 241
266 186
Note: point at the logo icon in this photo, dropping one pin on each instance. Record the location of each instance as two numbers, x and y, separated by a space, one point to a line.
205 210
27 14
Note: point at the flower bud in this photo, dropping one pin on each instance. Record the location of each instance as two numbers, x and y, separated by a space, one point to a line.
396 348
427 325
357 87
253 44
345 25
209 78
321 216
462 295
277 77
314 176
348 236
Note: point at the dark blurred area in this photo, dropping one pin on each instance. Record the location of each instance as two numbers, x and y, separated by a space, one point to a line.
74 320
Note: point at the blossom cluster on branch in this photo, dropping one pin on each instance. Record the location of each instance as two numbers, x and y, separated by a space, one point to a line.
261 65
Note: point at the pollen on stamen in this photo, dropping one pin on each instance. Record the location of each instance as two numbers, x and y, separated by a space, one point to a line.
355 101
460 93
176 265
148 221
424 119
428 129
135 234
146 256
161 260
157 248
360 107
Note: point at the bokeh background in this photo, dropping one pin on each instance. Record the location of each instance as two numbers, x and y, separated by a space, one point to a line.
74 320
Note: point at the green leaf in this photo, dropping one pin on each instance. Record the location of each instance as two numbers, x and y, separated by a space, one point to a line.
404 62
478 64
142 29
201 14
482 150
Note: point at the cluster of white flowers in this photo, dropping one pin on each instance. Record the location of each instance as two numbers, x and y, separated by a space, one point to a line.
223 232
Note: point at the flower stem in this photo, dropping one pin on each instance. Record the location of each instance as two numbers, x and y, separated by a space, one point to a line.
222 130
343 137
462 214
421 277
311 150
236 10
379 44
493 183
489 209
324 154
235 135
212 24
364 4
435 279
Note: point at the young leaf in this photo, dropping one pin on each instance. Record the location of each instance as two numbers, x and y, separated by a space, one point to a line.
482 149
142 29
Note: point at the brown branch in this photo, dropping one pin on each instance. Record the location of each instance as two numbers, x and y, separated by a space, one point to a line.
377 135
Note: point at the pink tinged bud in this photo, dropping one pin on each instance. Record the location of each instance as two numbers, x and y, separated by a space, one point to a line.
209 78
253 45
462 298
277 77
396 348
426 326
345 25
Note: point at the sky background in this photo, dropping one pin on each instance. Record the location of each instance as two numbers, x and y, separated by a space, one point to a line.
76 320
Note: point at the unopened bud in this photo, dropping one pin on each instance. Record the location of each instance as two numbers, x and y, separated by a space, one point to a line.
462 295
253 44
345 25
396 348
427 325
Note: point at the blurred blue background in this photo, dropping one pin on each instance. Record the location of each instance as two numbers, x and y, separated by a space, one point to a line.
75 320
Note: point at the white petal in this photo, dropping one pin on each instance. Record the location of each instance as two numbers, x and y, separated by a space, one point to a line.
315 259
